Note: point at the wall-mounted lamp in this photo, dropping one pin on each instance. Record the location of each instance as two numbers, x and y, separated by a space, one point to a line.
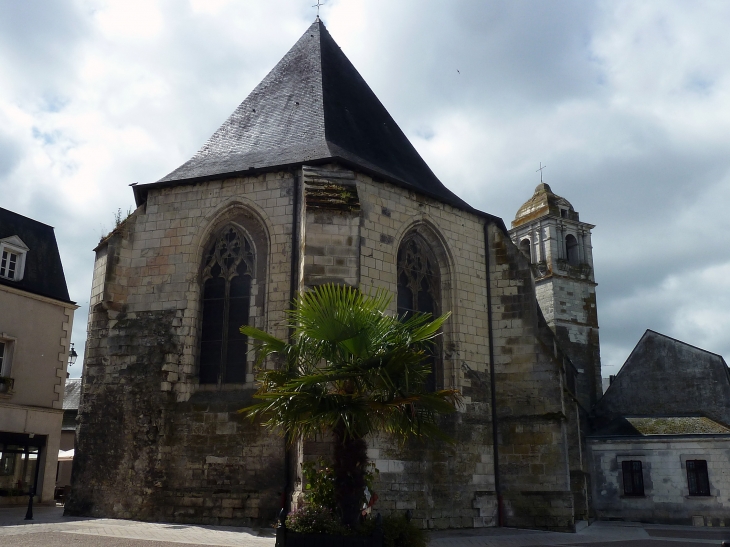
72 355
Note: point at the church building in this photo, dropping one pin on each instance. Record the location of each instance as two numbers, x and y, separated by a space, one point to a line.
311 181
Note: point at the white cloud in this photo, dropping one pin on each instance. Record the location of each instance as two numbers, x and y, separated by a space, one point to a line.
626 103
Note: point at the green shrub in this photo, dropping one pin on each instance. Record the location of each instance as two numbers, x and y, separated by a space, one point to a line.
319 481
397 532
316 520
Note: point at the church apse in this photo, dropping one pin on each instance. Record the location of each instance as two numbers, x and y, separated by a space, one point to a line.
336 194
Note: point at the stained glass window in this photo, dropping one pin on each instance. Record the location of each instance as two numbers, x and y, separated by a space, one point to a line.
227 276
419 290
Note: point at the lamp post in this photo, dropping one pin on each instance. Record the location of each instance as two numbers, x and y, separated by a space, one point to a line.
72 355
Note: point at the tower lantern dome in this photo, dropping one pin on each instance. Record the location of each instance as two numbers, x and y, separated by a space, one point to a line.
543 203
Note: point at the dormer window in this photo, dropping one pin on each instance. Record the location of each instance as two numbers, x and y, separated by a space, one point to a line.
564 213
12 258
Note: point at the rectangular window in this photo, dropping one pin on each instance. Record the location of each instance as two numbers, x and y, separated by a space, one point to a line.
697 478
8 264
2 357
633 478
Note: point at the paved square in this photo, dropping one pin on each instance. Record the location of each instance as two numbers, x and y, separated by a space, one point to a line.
51 529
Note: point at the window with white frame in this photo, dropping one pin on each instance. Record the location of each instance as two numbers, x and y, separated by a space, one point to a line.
12 258
6 347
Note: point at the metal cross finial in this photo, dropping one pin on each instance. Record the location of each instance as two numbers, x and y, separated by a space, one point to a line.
541 168
318 5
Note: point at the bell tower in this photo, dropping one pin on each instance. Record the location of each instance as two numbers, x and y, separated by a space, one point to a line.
548 230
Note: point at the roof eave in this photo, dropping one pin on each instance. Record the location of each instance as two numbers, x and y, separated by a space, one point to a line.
141 190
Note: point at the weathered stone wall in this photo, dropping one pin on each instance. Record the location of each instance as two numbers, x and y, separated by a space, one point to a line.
453 486
532 405
569 306
331 227
153 444
666 498
567 295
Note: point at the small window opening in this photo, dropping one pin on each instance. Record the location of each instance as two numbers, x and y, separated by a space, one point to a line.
564 213
525 248
633 478
697 479
571 250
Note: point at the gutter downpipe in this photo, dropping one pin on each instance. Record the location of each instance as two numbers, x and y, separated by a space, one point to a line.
492 381
293 284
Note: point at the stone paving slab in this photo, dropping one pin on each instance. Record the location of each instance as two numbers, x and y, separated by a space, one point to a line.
60 539
50 525
51 529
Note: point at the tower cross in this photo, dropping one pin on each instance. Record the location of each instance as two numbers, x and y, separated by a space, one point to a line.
318 5
540 170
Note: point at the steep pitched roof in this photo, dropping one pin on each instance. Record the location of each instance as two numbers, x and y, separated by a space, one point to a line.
666 377
72 394
43 270
313 107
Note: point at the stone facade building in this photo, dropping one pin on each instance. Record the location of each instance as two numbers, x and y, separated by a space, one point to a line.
310 181
660 452
36 317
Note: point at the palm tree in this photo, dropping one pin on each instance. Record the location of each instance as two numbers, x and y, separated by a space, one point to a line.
350 370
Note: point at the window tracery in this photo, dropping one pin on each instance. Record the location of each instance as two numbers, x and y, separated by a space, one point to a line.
227 276
419 290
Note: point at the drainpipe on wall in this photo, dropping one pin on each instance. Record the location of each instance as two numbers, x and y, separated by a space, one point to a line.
495 428
293 284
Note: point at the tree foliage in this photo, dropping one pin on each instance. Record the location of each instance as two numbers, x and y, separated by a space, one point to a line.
350 370
350 365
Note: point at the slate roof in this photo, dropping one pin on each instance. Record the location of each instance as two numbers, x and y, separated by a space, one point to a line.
72 393
664 376
43 270
646 426
313 108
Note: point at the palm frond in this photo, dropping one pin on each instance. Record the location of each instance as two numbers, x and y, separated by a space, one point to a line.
350 366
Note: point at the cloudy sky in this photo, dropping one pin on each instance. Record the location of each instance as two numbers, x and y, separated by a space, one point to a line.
627 103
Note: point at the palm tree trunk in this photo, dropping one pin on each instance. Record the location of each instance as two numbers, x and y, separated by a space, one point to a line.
350 465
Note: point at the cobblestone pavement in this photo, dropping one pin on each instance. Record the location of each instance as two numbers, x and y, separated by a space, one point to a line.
51 529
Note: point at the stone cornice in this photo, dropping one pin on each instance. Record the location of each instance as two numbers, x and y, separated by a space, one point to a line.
45 299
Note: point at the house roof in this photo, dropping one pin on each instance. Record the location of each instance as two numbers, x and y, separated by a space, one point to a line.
645 426
43 270
666 377
72 393
312 108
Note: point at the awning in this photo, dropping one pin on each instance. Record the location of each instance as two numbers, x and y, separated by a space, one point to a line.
66 455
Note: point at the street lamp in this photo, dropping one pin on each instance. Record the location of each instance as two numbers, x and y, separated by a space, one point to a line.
72 355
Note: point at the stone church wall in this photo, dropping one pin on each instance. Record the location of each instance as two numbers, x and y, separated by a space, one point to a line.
444 485
569 305
154 445
453 485
150 445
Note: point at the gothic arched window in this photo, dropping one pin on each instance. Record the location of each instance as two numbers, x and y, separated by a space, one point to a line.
227 275
419 290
